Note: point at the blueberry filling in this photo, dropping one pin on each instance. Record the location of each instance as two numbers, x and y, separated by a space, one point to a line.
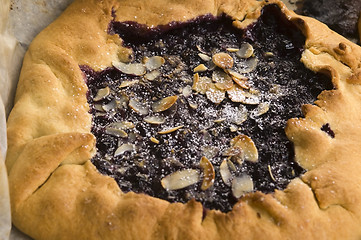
327 129
171 123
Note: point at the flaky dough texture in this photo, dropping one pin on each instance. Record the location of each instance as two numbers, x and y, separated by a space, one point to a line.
56 192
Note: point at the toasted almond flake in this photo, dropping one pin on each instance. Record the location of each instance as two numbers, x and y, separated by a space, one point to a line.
116 132
222 80
241 82
200 68
211 66
240 79
247 66
122 125
241 115
223 60
242 185
237 75
164 104
200 49
193 105
208 173
169 130
246 51
226 174
122 101
233 128
251 98
220 120
125 84
98 107
261 109
209 151
231 165
187 91
201 84
112 105
100 114
124 148
236 94
204 57
214 94
138 107
270 173
156 120
268 54
232 151
154 140
247 146
154 62
180 179
152 75
136 69
102 93
232 49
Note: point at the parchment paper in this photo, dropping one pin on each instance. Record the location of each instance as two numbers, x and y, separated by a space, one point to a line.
20 22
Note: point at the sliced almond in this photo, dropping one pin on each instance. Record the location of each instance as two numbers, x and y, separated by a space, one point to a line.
214 94
125 84
247 146
136 69
270 173
241 115
164 104
112 105
98 107
116 132
208 173
222 80
187 91
170 130
124 148
242 185
251 98
232 49
246 51
138 107
180 179
152 75
154 140
156 120
122 101
122 125
154 62
200 68
204 57
236 94
247 66
231 166
102 93
226 174
223 60
240 79
201 84
219 120
209 151
193 105
261 109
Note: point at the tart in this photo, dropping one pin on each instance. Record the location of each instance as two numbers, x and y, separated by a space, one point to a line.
192 120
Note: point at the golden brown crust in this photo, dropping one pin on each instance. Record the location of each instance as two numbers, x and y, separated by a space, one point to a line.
57 193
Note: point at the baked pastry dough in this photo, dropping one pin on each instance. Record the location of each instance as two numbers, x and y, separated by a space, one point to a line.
56 192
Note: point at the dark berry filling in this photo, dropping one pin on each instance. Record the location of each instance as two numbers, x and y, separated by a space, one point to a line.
129 122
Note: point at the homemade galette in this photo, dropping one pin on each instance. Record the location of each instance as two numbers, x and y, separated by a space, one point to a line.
230 119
